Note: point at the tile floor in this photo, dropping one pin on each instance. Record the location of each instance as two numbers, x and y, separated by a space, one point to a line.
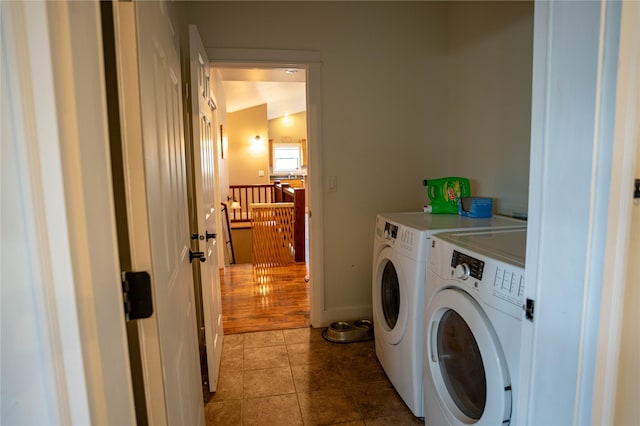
295 377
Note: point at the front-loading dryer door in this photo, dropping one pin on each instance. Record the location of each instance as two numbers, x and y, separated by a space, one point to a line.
390 298
468 381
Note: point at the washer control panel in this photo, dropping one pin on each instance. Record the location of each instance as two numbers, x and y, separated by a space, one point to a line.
466 266
509 285
492 277
497 283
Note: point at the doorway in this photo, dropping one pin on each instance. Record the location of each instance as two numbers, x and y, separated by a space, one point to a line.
265 143
277 94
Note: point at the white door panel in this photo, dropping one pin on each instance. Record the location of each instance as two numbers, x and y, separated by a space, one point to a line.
203 139
168 227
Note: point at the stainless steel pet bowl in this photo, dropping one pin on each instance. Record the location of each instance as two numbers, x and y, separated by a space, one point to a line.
349 331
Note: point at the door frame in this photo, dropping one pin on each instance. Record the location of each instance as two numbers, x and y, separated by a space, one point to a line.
310 61
624 163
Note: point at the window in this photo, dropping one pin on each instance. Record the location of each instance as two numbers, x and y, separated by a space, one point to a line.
286 158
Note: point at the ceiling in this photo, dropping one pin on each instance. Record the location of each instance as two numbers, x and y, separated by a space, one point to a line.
282 89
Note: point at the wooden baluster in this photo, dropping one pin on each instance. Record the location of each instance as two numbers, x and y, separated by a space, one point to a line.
245 204
234 197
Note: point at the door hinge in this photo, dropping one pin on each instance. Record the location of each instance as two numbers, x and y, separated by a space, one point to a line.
197 255
528 309
136 295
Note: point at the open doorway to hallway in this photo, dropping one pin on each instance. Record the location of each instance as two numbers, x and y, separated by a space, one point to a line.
265 153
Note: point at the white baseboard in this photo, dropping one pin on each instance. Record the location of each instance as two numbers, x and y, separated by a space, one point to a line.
345 314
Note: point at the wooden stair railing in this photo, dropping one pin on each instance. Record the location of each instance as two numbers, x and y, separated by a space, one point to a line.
246 195
271 193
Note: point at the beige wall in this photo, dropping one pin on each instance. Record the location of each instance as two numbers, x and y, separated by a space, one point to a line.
490 57
222 146
385 76
383 68
247 158
293 126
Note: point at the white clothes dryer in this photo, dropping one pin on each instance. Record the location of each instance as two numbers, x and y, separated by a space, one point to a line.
473 319
401 247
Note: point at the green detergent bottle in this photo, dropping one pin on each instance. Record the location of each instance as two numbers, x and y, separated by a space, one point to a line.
444 194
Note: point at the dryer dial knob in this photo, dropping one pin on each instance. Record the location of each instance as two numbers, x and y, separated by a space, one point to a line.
462 271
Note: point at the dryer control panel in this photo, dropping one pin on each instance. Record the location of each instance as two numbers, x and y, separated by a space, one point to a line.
390 231
405 240
402 238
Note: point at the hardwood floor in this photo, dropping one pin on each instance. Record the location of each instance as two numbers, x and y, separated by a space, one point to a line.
264 298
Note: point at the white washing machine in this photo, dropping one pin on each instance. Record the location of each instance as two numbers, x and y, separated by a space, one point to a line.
401 246
473 318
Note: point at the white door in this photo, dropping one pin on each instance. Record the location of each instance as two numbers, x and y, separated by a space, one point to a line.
203 137
168 224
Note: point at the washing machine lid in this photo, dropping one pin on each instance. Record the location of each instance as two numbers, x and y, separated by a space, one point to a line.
449 222
505 245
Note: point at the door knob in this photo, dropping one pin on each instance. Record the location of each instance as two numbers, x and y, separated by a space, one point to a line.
197 255
209 236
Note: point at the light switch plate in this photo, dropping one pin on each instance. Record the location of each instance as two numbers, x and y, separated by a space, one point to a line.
333 184
261 173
